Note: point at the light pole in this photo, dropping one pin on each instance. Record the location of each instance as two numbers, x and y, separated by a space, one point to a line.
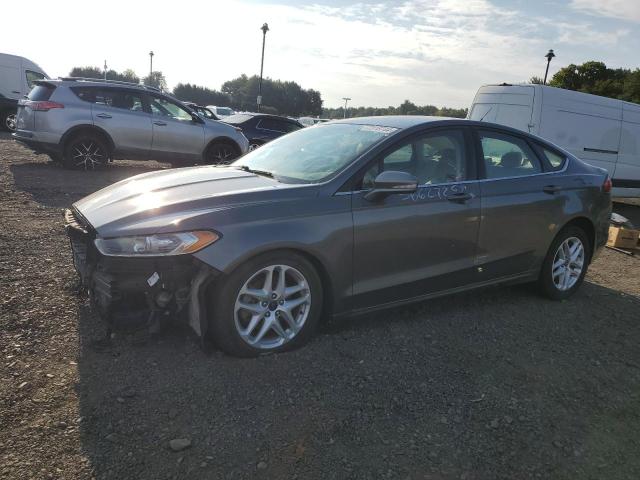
150 64
105 70
548 56
346 99
265 29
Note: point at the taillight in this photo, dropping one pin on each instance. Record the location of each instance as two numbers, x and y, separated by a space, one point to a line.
42 106
606 186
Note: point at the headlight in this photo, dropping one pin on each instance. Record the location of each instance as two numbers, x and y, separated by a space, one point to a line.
160 244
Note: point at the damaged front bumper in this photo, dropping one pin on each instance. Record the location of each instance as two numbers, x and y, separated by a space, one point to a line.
130 292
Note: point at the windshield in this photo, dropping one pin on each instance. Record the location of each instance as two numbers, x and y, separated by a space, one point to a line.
314 154
224 111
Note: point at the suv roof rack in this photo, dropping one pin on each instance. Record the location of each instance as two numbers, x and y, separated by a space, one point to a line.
116 82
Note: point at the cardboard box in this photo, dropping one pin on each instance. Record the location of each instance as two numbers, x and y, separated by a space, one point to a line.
620 237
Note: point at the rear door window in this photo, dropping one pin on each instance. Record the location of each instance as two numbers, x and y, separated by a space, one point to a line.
507 156
272 124
111 97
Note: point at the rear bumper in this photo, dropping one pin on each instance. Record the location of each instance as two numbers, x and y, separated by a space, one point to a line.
133 292
36 143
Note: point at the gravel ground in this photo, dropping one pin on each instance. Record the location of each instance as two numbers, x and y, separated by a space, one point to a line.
495 384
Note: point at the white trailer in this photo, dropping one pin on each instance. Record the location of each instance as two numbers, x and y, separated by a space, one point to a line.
601 131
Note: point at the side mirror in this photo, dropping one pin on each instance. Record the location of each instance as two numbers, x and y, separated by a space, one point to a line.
196 118
390 182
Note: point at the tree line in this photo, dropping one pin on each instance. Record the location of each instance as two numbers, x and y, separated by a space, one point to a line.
406 108
279 97
596 78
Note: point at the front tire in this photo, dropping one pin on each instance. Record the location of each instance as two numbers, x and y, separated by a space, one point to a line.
221 154
85 151
566 263
270 304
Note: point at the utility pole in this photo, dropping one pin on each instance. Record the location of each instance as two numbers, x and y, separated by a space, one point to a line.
150 64
265 29
548 56
346 99
105 70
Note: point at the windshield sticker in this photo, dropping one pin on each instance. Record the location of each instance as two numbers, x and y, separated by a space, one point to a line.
377 129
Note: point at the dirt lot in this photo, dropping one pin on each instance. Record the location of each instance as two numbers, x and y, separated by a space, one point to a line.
499 383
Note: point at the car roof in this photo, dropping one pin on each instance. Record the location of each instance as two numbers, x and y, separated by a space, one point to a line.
406 122
395 121
98 82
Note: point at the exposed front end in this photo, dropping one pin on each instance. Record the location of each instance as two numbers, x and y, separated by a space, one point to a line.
130 292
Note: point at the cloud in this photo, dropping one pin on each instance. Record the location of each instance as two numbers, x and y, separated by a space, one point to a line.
620 9
380 53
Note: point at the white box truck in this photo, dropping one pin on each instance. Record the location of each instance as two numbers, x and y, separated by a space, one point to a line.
16 79
601 131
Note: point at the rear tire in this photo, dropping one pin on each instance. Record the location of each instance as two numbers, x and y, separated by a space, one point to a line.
8 120
243 305
85 151
566 264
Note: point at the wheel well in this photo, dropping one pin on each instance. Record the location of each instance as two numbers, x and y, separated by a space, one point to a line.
325 279
226 141
587 226
87 129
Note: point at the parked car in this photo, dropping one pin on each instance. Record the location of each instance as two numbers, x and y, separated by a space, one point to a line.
346 217
221 112
204 112
84 123
261 128
17 75
311 121
604 132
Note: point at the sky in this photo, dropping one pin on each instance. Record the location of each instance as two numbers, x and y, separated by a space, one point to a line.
378 53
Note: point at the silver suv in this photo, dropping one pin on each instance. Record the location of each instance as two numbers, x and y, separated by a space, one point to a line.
83 123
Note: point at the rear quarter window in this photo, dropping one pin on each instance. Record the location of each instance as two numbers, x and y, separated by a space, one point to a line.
41 93
556 160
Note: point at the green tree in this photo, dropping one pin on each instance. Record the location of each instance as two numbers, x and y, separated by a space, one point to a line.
285 97
201 95
596 78
96 72
155 79
536 80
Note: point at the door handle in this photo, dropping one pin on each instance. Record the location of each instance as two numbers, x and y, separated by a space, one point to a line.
160 124
103 115
15 91
460 197
551 189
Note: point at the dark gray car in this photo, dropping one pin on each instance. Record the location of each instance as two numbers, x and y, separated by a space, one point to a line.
340 218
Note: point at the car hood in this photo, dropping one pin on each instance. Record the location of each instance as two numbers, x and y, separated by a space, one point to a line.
160 201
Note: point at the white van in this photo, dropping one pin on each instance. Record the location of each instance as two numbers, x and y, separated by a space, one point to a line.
16 79
601 131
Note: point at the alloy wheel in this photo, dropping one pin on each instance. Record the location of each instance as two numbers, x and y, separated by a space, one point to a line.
88 154
221 154
272 307
568 263
11 122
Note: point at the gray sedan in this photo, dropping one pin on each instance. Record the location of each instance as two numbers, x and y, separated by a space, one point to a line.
337 219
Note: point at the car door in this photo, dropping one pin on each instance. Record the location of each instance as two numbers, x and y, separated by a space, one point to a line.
176 135
521 203
122 114
410 245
